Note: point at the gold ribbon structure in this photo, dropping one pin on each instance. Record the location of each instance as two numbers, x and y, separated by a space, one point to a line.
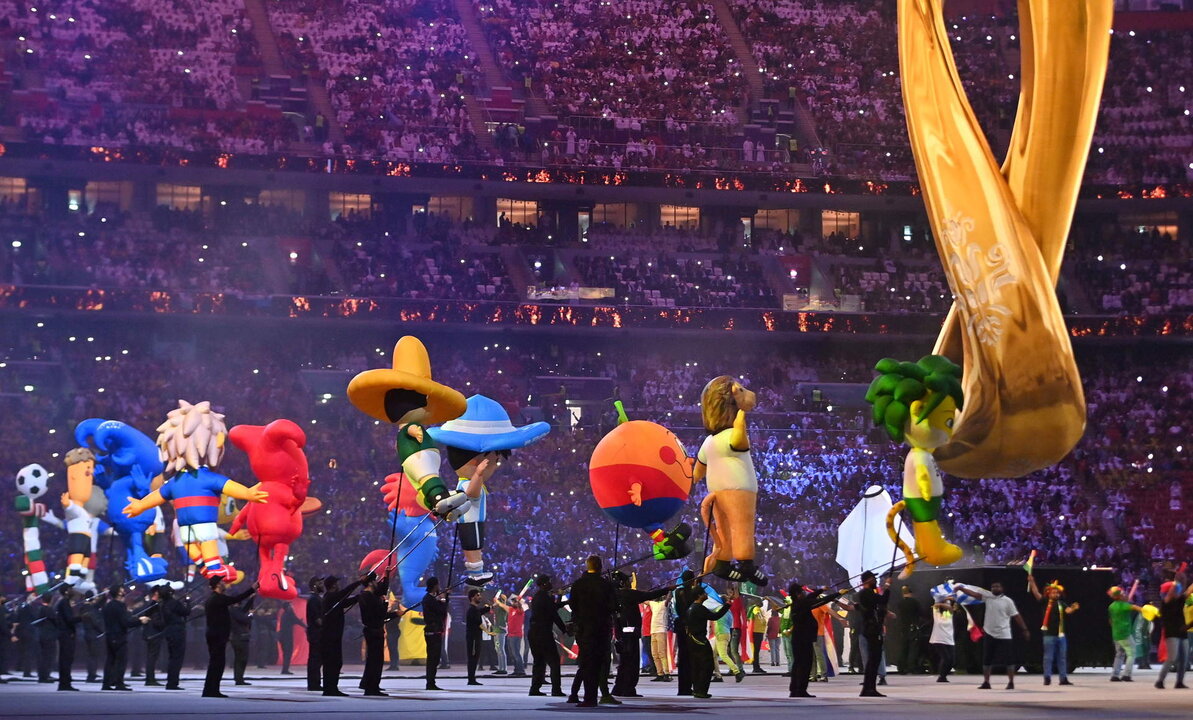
1001 232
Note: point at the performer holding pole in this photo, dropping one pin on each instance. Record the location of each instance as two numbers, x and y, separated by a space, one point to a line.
67 621
117 622
695 627
219 630
434 608
374 613
544 620
872 605
629 631
332 636
314 636
593 602
174 614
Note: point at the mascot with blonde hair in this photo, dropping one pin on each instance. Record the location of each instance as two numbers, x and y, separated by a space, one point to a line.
724 459
191 444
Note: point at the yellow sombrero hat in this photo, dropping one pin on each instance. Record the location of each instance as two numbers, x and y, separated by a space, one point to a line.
411 371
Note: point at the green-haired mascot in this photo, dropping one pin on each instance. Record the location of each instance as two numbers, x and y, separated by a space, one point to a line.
917 403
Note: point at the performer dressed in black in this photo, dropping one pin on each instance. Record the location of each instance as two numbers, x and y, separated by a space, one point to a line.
117 622
544 618
474 634
26 634
374 613
93 632
629 632
685 595
872 608
289 620
242 629
593 602
314 635
174 614
331 639
803 633
434 610
153 638
46 634
700 652
66 621
219 631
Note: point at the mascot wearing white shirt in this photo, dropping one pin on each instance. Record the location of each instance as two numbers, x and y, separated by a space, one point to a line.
724 459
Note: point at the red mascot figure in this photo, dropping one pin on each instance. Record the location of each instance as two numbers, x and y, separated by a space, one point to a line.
276 456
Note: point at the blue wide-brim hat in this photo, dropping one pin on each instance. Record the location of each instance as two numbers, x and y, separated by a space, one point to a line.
485 427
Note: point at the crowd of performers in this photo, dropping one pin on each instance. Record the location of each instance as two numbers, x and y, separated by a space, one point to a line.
119 479
682 632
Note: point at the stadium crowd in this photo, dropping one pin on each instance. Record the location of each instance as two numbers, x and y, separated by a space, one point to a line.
656 85
396 74
629 59
1118 271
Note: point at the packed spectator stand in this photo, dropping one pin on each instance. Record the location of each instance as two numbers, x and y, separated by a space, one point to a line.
1116 272
654 85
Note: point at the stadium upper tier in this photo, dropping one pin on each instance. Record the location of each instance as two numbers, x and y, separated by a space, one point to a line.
779 87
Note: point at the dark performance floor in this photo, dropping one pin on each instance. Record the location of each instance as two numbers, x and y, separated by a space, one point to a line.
757 698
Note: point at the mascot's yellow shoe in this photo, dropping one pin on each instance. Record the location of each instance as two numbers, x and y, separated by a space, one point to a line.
931 545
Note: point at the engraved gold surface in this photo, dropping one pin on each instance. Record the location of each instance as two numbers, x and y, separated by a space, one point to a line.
1001 232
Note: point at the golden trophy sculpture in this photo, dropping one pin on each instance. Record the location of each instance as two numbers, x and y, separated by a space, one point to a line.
1001 232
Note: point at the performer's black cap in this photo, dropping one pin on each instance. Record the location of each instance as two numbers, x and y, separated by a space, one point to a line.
619 577
542 579
867 576
687 575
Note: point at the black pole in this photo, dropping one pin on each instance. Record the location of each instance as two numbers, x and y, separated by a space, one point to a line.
451 566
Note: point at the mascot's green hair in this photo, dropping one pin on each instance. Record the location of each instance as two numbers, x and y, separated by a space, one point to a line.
899 384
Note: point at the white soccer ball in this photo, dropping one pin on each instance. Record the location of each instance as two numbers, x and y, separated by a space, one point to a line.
32 481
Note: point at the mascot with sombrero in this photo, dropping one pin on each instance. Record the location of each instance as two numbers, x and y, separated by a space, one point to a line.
476 443
406 396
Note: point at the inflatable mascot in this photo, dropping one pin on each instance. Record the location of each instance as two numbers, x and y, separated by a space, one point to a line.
917 403
127 462
414 554
191 444
724 459
406 396
641 476
276 455
82 509
32 481
476 443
